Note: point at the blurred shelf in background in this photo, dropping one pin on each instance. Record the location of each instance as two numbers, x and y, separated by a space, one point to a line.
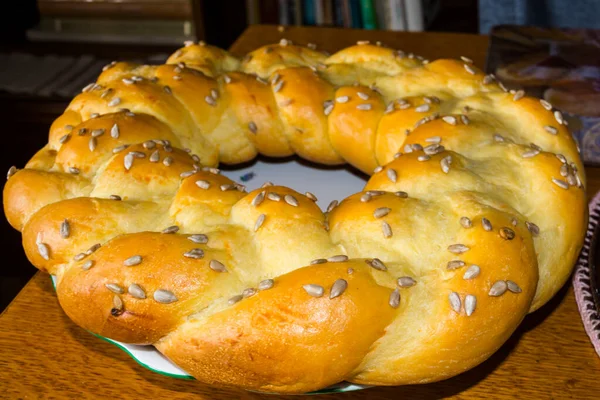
395 15
118 21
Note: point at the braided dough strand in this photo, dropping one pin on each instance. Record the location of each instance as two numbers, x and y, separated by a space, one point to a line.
473 216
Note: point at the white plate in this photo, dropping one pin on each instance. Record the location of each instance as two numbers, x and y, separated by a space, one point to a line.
327 183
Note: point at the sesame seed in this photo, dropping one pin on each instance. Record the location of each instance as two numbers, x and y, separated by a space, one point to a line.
381 212
210 101
64 139
266 284
65 229
394 300
217 266
488 79
92 143
465 222
171 229
252 126
362 95
392 175
454 300
113 287
560 183
273 196
445 164
187 174
433 139
278 86
405 282
507 233
387 229
455 264
164 296
291 200
136 291
133 261
469 69
318 261
422 108
198 238
311 196
487 225
530 153
128 161
195 254
43 250
314 290
498 289
114 102
513 287
87 265
154 157
559 117
259 221
550 129
472 272
470 304
364 106
376 263
342 99
433 149
338 258
546 105
533 228
338 288
518 95
458 248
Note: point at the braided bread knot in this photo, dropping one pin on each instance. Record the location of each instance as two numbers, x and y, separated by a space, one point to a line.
473 215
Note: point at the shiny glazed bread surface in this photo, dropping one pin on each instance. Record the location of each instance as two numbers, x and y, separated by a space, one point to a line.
473 216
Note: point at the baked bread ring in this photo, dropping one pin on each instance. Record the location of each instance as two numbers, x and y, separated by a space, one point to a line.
473 216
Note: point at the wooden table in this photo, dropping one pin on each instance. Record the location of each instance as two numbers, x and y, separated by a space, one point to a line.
43 354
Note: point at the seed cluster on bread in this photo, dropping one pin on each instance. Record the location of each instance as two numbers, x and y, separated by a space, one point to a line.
473 215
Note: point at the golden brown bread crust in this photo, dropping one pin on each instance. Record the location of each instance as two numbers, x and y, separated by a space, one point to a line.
473 216
310 342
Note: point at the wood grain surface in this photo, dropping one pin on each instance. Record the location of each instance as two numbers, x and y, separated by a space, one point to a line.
44 355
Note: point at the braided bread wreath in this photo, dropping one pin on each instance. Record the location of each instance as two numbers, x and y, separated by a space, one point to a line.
473 216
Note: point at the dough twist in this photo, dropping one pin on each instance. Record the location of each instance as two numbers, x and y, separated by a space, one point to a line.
473 217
